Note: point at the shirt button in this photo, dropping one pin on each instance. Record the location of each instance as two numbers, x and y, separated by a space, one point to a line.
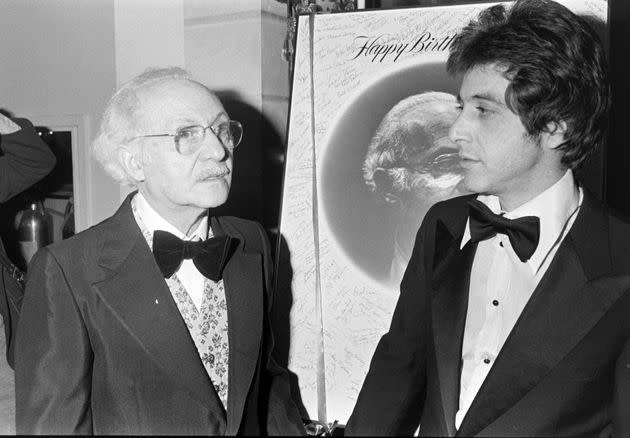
501 244
486 361
495 303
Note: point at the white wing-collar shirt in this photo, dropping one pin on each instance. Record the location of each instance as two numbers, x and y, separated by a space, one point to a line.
187 273
501 285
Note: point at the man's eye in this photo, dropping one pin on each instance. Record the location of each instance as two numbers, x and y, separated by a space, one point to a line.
222 129
482 110
185 134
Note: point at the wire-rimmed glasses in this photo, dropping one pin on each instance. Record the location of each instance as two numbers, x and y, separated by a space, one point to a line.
189 139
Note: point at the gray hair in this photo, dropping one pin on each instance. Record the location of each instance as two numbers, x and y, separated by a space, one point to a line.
118 121
412 125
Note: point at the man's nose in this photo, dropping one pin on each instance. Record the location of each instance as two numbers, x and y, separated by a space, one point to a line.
212 148
458 131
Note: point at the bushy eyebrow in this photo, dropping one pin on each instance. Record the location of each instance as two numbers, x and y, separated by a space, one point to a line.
488 97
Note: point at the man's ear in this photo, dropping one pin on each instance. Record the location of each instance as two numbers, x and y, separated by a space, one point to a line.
554 134
131 163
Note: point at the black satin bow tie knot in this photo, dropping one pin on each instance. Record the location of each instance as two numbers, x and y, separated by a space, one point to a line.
523 232
209 256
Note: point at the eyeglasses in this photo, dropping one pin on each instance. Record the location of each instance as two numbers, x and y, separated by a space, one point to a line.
189 139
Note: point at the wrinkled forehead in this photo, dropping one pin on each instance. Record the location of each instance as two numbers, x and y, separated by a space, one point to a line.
175 101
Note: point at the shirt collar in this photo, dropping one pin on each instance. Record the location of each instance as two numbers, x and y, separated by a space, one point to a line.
153 221
553 207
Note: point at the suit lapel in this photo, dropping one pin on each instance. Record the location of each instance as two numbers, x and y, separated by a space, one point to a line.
135 291
451 276
536 343
566 304
243 280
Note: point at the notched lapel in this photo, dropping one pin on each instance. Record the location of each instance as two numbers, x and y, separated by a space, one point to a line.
449 306
243 280
449 230
137 295
562 310
445 252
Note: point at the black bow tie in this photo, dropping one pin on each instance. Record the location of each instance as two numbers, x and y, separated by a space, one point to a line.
209 256
523 232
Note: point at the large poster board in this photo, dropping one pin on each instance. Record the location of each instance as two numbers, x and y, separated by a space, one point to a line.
368 153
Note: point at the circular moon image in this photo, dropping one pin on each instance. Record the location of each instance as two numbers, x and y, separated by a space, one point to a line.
387 159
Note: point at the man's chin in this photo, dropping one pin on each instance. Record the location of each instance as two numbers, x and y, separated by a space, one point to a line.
473 184
210 199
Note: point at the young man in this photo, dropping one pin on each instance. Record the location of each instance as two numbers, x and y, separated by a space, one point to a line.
155 321
513 313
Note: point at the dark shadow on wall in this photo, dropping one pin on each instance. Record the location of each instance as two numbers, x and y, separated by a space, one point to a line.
258 167
256 194
280 320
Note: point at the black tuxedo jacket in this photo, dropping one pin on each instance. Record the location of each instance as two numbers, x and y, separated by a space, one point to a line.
564 369
102 348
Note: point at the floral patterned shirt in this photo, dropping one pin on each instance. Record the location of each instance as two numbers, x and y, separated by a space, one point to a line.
208 326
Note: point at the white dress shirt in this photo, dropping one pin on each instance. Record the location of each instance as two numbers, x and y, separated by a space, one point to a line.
187 273
501 285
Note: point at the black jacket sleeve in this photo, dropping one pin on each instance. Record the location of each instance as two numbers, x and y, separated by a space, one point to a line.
283 416
391 399
53 355
26 159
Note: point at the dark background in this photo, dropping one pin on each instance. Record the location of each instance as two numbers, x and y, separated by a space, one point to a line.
617 192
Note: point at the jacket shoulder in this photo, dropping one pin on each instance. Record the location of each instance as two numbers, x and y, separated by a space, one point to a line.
83 245
453 212
239 223
253 233
451 206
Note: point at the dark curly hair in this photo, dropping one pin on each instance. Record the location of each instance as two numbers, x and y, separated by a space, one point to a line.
556 66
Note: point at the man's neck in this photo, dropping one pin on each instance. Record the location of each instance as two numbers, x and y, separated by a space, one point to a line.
526 191
187 225
185 218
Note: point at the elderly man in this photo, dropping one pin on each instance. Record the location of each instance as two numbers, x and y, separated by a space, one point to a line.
155 321
412 164
513 312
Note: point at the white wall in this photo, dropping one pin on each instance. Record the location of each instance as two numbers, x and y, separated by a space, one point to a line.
148 33
236 45
57 58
